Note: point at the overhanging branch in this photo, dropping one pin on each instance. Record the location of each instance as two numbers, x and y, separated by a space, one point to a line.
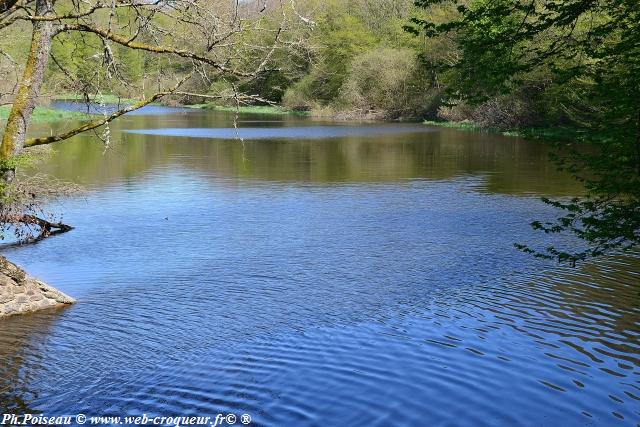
32 142
127 42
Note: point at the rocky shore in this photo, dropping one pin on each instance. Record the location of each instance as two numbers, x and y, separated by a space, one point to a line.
21 293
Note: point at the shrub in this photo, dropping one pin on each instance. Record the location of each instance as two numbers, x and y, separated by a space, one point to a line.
301 96
501 112
389 82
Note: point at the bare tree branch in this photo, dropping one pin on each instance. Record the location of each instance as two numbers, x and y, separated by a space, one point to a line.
32 142
125 41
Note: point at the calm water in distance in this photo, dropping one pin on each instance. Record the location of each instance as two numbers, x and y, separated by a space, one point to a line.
322 274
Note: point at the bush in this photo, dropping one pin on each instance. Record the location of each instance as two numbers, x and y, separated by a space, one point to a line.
378 79
502 112
301 96
390 82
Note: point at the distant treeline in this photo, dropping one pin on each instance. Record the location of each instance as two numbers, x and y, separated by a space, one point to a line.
355 59
348 58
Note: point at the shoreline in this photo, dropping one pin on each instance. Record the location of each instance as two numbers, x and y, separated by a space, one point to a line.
48 115
557 133
23 294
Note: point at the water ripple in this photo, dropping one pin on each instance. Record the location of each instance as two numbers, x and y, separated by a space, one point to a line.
318 317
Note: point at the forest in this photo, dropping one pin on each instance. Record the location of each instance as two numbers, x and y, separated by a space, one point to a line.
391 59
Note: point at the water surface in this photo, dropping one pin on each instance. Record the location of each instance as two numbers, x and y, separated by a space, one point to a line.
365 278
285 132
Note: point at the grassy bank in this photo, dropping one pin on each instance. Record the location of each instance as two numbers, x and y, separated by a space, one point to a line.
251 109
46 115
543 133
50 115
466 125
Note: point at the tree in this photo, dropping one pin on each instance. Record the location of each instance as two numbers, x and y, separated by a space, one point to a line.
338 37
172 42
343 32
387 82
591 51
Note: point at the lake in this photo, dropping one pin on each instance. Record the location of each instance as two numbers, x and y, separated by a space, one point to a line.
309 273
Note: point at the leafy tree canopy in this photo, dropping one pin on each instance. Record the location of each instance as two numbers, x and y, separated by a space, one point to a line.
583 56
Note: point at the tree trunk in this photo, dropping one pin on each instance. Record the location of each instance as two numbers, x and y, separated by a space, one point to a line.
25 101
16 128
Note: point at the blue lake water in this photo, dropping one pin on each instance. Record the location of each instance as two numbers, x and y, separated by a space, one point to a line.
319 274
290 132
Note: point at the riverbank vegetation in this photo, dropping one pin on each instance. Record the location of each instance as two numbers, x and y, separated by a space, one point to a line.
351 59
561 64
248 109
45 115
565 70
134 52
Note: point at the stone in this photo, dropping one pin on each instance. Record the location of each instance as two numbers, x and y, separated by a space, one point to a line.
6 297
21 293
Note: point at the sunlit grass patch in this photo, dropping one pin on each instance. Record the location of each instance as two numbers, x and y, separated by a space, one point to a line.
46 115
250 109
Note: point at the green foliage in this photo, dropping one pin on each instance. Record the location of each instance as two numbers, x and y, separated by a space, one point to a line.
84 63
341 37
388 80
251 109
283 67
363 63
379 75
100 98
270 85
462 125
10 194
131 64
78 52
581 60
46 115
